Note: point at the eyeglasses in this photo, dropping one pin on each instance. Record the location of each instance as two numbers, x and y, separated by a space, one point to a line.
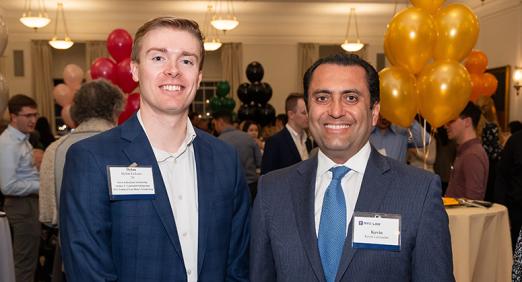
30 115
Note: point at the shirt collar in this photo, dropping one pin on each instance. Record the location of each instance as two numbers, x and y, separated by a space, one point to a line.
187 142
356 163
295 134
19 135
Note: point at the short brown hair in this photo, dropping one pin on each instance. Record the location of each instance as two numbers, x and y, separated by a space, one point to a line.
291 101
18 101
189 26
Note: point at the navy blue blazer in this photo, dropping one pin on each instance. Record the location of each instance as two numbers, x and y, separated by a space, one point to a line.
137 240
280 151
284 242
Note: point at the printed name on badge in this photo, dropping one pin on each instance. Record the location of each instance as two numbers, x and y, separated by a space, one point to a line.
130 183
376 231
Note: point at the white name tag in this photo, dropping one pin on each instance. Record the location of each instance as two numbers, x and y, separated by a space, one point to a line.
130 183
376 231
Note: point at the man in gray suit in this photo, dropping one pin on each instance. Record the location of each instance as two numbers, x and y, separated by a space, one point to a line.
348 214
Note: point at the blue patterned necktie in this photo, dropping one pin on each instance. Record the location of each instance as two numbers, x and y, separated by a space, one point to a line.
332 227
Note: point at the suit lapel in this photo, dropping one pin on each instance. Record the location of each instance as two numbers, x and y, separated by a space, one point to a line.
372 193
139 151
205 175
302 186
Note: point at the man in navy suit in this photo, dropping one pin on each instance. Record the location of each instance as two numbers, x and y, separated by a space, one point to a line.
290 145
348 214
155 199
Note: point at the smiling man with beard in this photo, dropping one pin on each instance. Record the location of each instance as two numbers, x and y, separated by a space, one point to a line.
349 213
155 199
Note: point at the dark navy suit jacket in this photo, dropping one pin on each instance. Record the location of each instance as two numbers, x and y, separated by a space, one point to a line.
137 240
281 151
284 242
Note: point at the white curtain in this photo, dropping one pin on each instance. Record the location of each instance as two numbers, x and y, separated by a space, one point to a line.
231 64
42 62
307 54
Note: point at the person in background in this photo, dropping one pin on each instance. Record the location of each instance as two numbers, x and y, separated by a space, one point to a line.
155 199
469 176
44 132
393 141
515 126
280 122
290 145
249 153
446 151
19 182
308 220
252 128
97 105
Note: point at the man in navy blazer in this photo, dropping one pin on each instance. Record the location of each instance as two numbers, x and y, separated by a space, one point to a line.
155 199
290 145
349 213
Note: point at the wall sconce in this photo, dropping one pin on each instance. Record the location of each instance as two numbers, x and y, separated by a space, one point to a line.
517 79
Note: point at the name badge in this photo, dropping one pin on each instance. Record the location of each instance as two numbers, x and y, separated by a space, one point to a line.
130 183
376 231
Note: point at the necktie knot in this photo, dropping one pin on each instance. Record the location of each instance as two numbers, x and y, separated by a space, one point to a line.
339 172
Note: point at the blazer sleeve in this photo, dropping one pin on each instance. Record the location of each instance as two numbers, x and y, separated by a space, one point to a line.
269 160
85 220
433 239
238 255
262 266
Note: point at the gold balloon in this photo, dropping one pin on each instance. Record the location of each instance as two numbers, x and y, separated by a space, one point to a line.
387 52
444 90
410 37
429 5
398 95
458 29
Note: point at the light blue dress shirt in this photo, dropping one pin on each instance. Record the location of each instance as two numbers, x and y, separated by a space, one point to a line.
396 140
18 175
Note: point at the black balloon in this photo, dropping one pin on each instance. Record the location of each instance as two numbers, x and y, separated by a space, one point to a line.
255 72
256 91
266 94
246 112
265 114
242 93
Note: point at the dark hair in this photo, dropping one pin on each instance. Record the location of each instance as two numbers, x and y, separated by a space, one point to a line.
189 26
44 130
515 126
18 101
472 111
97 99
248 123
283 118
372 77
223 115
291 101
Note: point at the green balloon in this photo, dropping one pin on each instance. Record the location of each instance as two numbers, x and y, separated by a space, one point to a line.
222 88
216 104
229 104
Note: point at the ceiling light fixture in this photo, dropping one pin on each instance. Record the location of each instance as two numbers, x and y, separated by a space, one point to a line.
211 42
55 42
224 18
35 19
352 46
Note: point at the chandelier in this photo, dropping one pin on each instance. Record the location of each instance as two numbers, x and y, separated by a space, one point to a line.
56 42
35 19
211 42
224 18
356 45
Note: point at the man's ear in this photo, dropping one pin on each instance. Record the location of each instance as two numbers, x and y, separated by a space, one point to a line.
134 71
375 113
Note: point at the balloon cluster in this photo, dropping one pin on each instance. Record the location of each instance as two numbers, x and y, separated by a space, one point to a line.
221 102
118 69
482 83
63 93
414 37
255 96
4 89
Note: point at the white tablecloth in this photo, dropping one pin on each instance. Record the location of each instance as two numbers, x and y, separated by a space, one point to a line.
481 244
7 273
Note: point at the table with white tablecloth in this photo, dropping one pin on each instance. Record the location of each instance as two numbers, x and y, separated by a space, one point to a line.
7 273
481 243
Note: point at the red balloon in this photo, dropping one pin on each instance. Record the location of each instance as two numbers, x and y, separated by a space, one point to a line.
119 44
131 106
104 68
124 76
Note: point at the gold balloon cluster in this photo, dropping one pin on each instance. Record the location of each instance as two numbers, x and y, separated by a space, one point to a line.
425 44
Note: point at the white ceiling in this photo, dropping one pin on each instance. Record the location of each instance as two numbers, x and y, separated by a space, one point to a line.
270 21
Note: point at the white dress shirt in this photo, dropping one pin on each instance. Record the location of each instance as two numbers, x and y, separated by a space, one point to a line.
178 171
300 142
351 182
